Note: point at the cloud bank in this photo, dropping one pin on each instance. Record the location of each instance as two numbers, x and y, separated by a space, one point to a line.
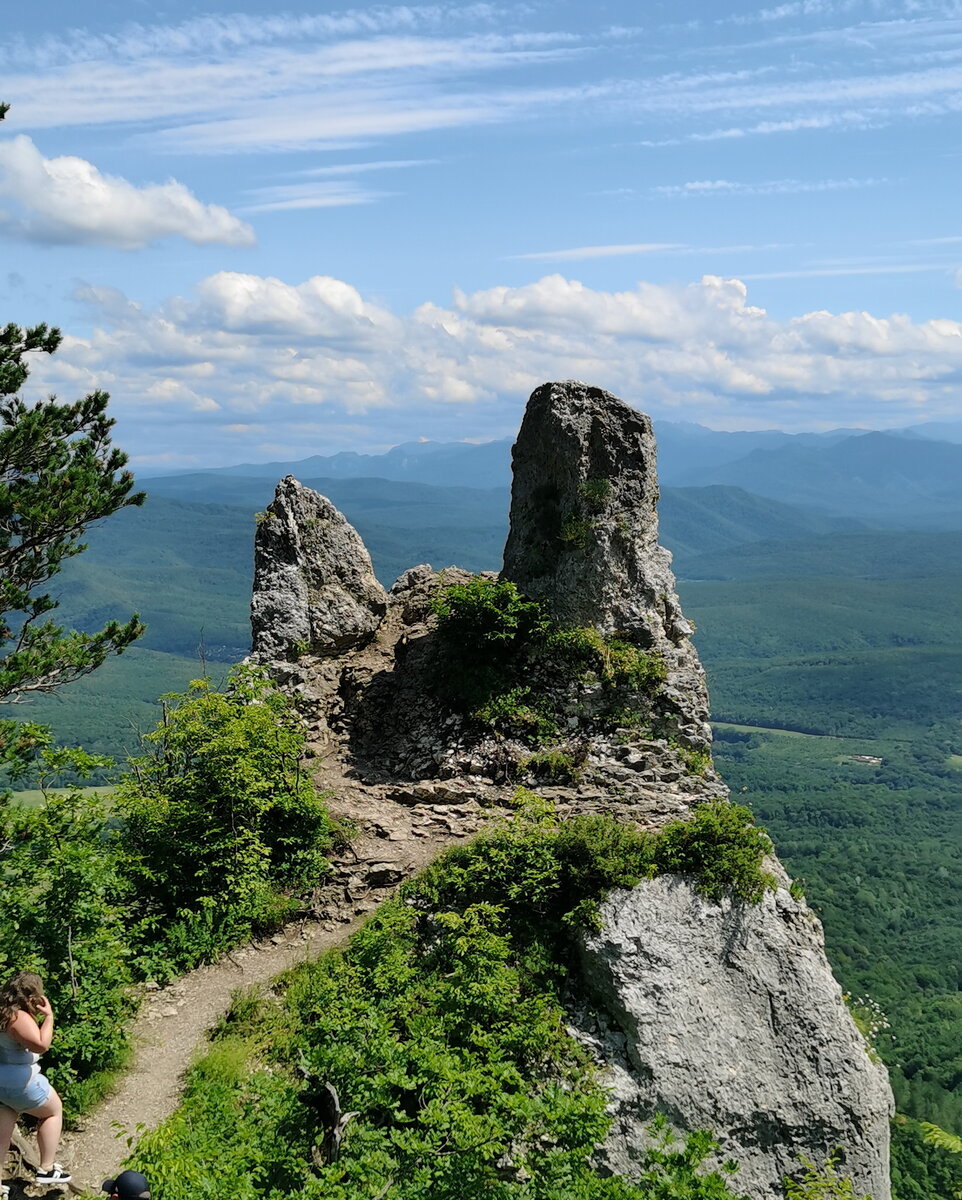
254 367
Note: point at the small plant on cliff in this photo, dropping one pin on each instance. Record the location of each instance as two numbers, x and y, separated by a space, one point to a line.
821 1183
870 1020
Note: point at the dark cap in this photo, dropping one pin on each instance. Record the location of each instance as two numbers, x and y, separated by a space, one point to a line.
129 1185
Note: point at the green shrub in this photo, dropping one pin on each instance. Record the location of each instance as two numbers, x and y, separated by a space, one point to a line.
721 847
222 822
504 661
556 765
821 1183
63 914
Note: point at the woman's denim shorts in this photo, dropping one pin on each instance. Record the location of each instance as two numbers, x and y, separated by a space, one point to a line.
26 1097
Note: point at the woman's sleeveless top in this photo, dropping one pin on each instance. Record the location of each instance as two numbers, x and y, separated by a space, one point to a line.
13 1054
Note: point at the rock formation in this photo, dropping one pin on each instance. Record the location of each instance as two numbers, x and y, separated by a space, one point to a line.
720 1016
584 533
725 1016
315 591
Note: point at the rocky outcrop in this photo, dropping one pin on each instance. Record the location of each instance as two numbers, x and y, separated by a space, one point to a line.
725 1016
720 1016
584 533
315 591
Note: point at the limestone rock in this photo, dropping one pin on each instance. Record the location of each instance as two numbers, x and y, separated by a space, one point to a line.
584 533
315 591
725 1016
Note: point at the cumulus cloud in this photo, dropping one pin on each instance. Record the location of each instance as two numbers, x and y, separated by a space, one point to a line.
67 200
247 361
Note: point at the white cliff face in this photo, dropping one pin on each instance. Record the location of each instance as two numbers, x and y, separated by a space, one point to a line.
726 1017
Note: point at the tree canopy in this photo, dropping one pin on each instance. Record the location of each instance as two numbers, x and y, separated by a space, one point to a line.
58 473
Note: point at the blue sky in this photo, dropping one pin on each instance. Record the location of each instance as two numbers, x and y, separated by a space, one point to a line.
271 233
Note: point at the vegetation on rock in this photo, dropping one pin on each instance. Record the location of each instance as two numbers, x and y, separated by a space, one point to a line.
442 1025
514 669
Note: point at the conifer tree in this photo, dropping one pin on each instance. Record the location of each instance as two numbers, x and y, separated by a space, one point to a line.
58 472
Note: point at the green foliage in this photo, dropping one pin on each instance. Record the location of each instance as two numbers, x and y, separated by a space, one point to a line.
501 658
920 1170
721 847
58 473
556 765
487 614
595 493
221 820
441 1026
821 1183
62 914
575 532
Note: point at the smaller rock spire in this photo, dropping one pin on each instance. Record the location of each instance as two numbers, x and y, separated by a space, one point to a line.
315 591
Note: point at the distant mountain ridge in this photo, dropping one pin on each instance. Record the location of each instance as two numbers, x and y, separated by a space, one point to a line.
900 479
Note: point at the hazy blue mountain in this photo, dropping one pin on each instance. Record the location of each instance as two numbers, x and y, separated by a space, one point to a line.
696 521
936 431
901 481
443 464
688 453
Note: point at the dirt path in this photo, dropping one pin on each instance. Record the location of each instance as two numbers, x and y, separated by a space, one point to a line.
393 842
170 1031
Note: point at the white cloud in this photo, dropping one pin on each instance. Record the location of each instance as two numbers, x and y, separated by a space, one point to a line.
326 369
579 253
67 200
765 187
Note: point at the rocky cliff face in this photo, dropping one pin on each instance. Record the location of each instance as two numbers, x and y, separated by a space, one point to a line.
720 1016
725 1016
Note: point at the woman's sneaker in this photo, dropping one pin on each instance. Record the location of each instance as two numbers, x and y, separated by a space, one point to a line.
56 1174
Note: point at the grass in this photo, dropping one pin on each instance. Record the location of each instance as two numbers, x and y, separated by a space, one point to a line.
33 797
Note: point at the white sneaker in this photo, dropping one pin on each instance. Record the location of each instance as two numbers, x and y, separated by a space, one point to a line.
56 1174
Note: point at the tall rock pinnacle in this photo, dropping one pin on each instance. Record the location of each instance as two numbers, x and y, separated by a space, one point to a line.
584 532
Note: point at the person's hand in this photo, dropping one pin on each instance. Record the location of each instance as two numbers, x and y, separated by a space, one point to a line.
43 1009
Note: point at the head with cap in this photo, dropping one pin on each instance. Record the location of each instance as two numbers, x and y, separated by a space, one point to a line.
129 1185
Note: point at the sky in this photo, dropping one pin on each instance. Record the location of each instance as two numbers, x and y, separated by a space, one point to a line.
275 232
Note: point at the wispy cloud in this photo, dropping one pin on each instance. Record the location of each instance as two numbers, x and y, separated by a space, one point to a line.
237 82
767 187
326 187
853 269
362 168
580 253
67 200
319 194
